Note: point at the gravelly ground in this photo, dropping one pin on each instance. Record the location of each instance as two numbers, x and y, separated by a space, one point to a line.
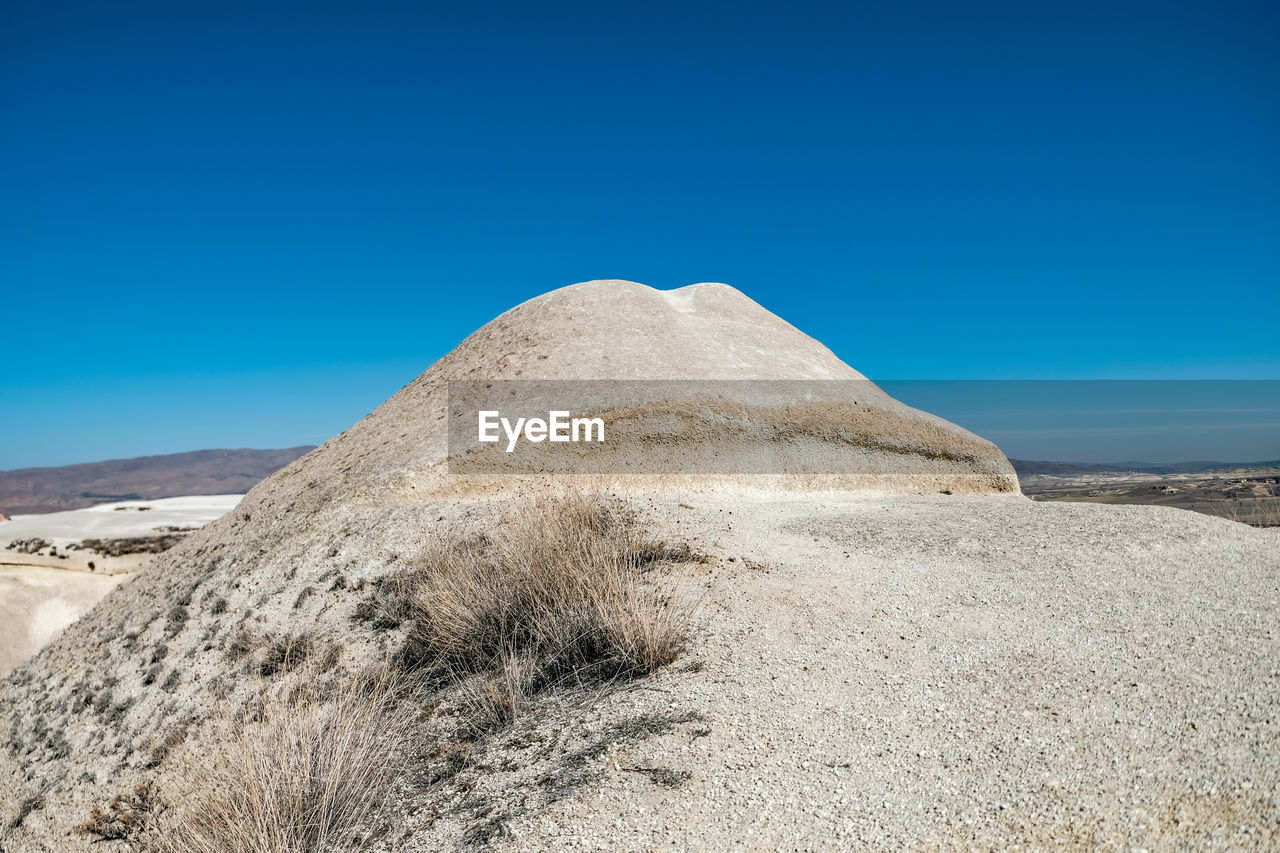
868 672
956 673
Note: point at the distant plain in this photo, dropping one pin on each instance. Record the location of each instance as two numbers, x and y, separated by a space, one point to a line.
1245 493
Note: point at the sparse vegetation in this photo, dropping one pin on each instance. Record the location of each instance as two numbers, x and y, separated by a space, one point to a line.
128 817
25 808
29 546
570 593
284 653
565 592
175 619
176 736
1258 513
299 778
241 644
307 592
127 545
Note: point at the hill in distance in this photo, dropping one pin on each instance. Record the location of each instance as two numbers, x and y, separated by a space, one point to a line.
198 472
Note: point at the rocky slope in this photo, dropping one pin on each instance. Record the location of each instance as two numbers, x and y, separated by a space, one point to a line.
952 673
137 679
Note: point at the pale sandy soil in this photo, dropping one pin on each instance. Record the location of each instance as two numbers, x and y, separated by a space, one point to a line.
873 672
36 603
938 673
40 595
106 521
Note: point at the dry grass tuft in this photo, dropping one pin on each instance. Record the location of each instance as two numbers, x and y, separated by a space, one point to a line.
495 699
565 590
1263 512
129 817
569 591
299 778
284 654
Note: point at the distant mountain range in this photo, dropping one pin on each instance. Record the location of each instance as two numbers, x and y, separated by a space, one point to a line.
1027 468
199 472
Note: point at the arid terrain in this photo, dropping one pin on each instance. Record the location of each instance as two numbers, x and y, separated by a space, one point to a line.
107 538
1246 493
865 672
56 566
890 649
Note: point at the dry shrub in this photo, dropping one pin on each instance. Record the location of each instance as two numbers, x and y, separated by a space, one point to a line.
566 588
1262 512
494 699
299 777
128 817
284 653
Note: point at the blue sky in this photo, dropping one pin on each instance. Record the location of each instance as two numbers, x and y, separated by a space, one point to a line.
247 225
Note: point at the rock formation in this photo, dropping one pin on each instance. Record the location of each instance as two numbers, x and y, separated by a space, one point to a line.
604 331
93 710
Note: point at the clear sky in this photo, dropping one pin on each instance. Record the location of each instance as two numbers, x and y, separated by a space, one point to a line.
248 224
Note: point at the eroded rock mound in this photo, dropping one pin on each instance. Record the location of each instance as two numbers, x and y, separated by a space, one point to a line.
853 435
293 565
